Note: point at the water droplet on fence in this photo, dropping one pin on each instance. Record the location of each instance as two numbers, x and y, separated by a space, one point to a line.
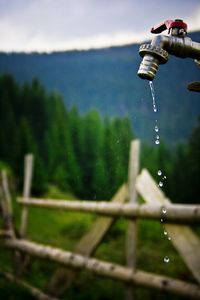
169 238
157 142
165 232
157 137
166 259
159 172
164 211
160 184
161 220
156 128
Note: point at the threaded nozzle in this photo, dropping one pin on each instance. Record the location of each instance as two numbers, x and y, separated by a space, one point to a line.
152 57
148 67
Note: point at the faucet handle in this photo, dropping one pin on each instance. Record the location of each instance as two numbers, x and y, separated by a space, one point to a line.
170 24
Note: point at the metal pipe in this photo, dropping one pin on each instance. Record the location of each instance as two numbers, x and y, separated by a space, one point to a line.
182 47
156 53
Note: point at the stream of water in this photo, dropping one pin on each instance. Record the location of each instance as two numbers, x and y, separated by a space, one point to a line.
162 177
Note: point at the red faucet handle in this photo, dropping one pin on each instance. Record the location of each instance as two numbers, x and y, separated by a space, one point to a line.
168 24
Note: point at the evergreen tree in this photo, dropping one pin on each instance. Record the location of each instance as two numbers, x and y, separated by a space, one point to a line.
8 96
92 151
83 154
23 143
178 180
194 165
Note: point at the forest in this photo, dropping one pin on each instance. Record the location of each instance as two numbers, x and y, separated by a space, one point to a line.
83 153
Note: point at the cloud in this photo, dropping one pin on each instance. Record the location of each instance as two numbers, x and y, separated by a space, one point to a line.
194 20
67 24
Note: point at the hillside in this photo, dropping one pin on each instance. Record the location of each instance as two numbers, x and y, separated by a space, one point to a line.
107 80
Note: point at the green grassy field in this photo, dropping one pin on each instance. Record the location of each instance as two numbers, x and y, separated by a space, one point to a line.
64 230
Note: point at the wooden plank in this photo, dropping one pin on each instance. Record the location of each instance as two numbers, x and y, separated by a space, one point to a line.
175 212
28 172
62 278
183 238
6 192
106 269
32 290
132 231
93 238
22 262
6 205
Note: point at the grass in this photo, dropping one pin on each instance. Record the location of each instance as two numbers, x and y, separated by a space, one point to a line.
64 230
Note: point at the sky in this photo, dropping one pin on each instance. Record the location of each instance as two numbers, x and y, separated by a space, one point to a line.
49 25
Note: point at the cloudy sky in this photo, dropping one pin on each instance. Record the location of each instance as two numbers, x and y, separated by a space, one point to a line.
47 25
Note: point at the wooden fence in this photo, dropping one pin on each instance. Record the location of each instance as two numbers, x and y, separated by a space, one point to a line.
123 204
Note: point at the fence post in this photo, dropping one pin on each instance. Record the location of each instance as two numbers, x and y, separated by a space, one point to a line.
131 242
6 204
28 171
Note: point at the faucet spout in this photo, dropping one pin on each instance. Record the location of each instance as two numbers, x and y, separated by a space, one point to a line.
177 44
182 47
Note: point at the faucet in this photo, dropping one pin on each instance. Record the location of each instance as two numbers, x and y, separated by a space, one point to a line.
177 43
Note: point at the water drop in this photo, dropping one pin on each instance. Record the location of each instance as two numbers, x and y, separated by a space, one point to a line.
165 232
169 238
159 172
157 142
153 95
164 177
166 259
160 184
161 220
164 211
156 128
157 137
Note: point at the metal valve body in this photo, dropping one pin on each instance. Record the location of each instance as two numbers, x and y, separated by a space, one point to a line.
176 43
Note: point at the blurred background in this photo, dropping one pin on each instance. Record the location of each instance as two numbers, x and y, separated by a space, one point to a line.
70 94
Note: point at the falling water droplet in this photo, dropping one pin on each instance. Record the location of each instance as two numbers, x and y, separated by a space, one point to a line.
160 184
153 95
157 142
156 128
164 211
159 172
166 259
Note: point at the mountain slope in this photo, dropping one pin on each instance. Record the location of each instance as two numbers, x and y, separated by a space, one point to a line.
107 80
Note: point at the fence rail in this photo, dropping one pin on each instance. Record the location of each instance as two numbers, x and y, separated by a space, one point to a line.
176 213
32 290
156 206
106 269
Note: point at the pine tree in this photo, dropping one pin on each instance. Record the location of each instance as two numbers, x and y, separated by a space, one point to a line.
194 165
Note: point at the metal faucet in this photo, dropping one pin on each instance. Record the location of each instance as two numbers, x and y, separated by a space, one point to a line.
177 43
